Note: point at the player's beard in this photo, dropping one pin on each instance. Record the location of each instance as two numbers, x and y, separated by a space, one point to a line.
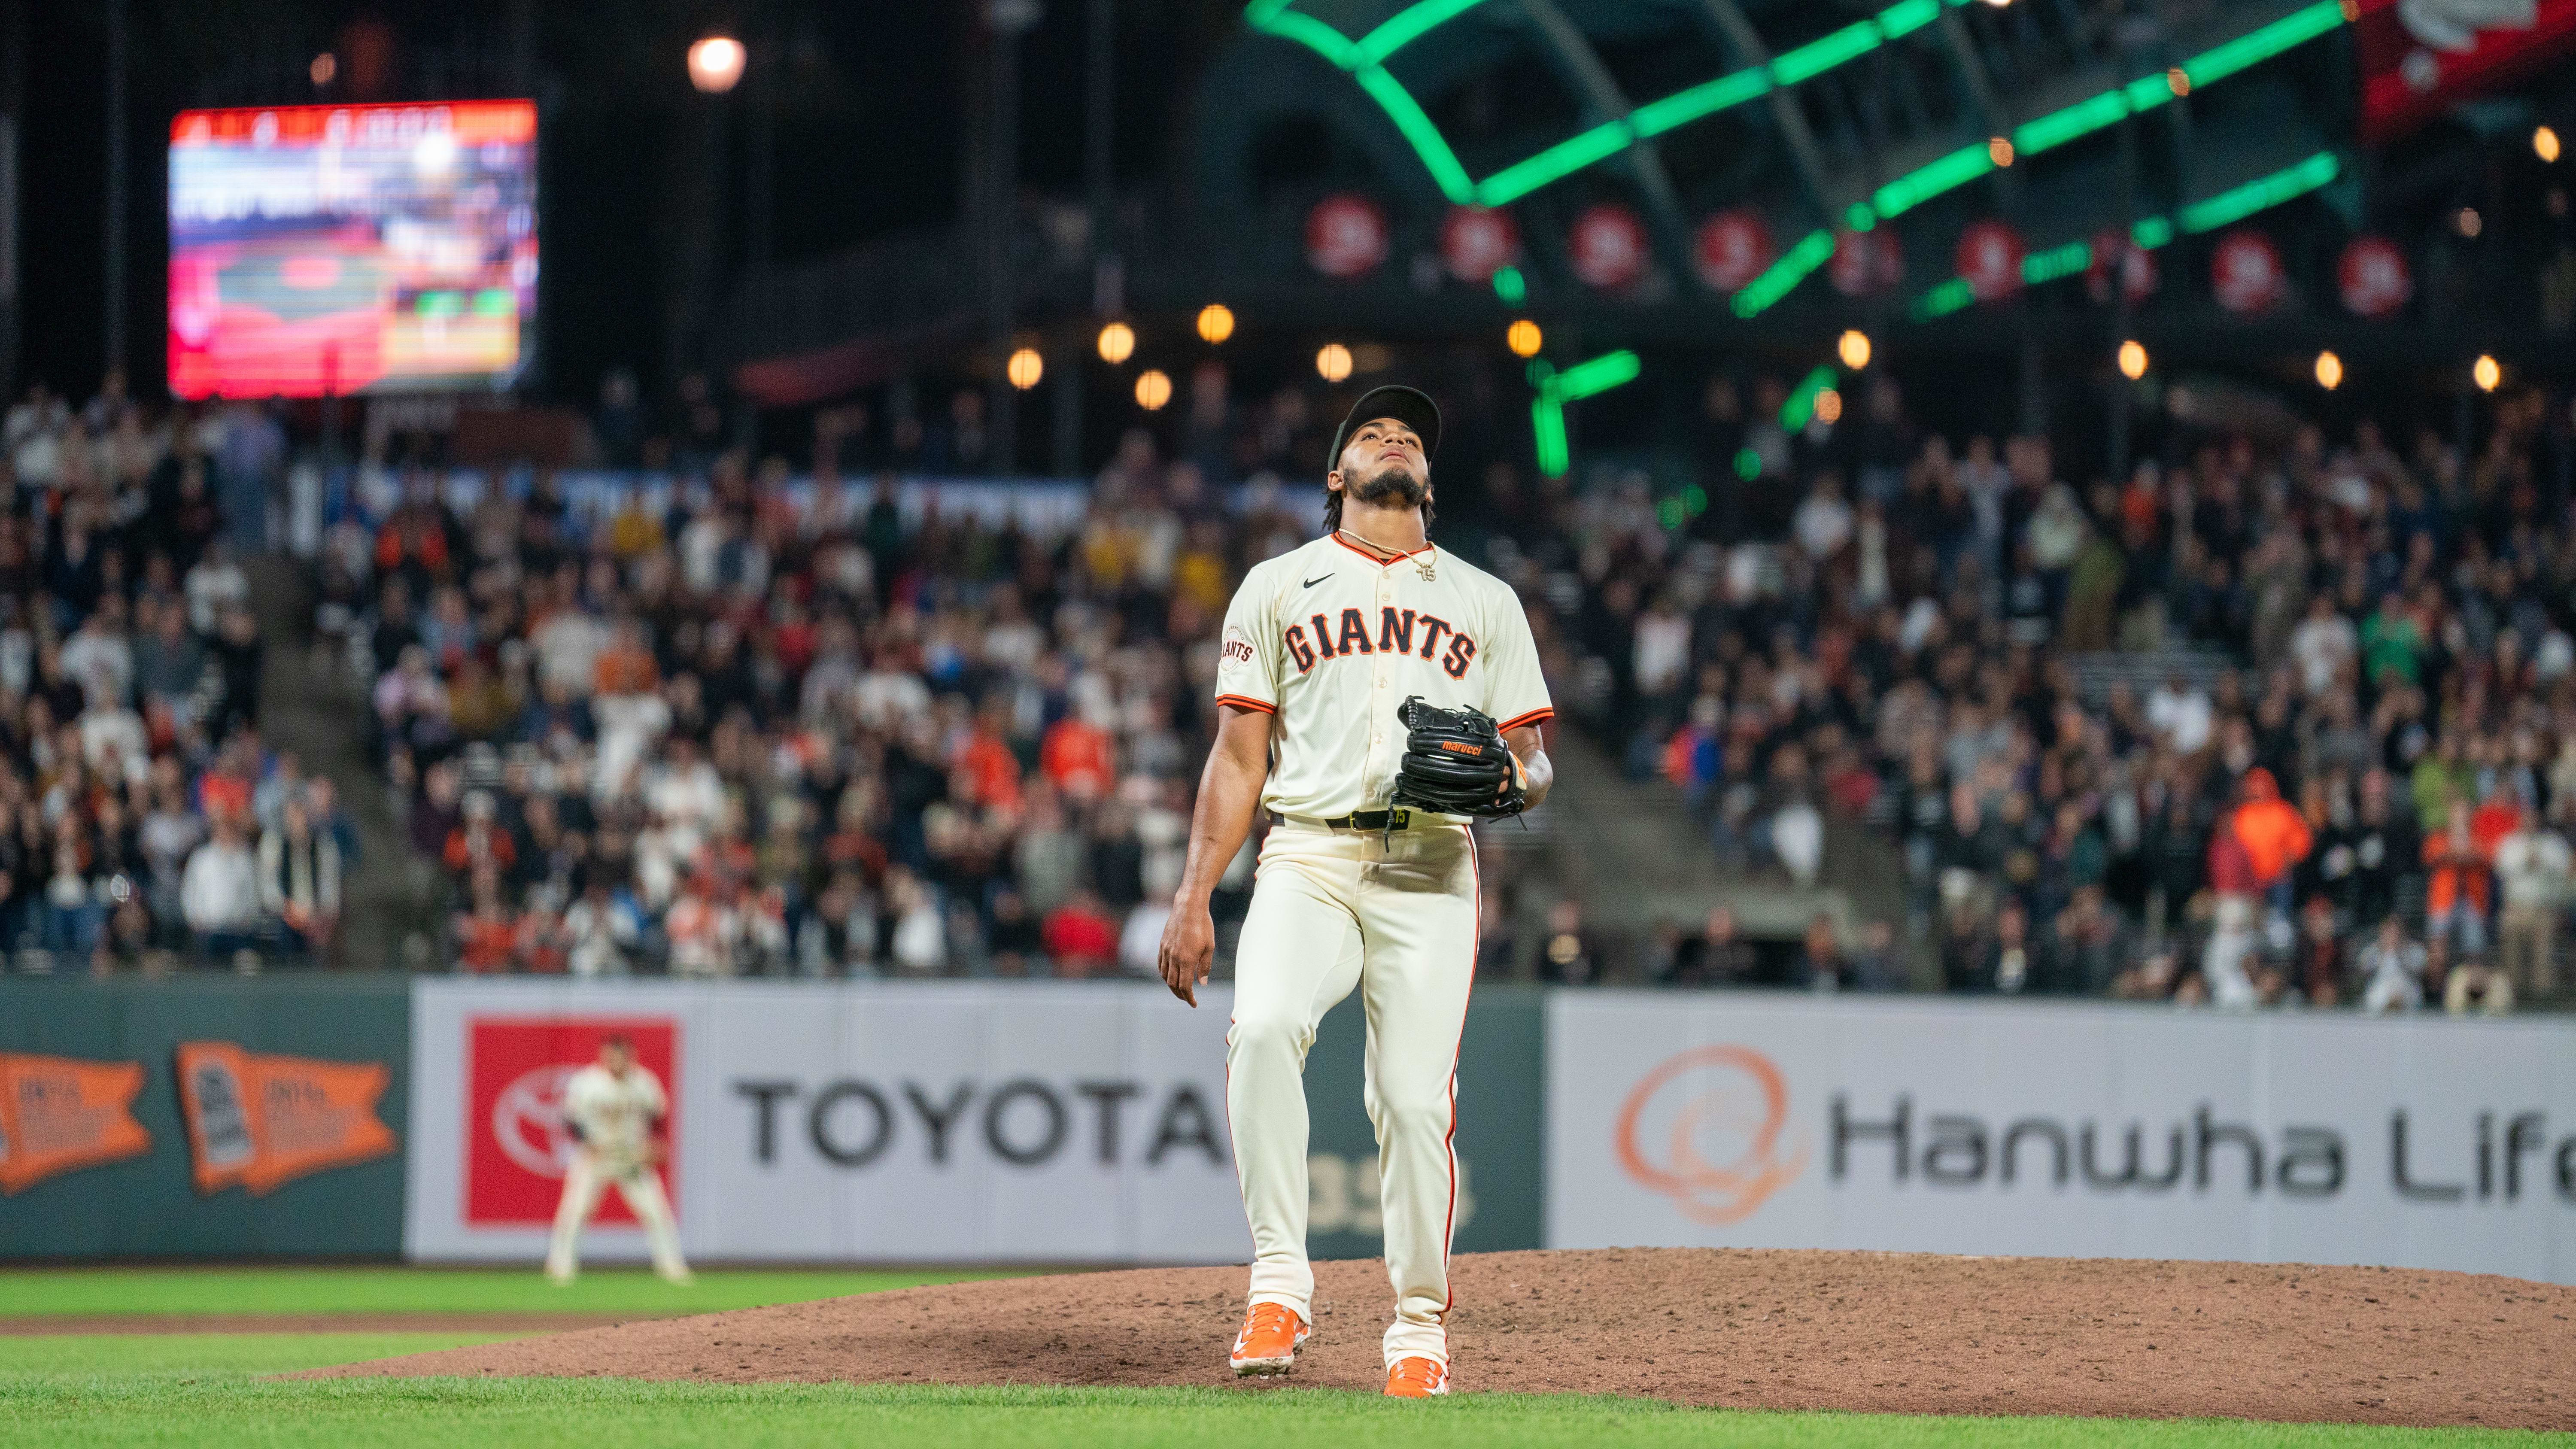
1391 487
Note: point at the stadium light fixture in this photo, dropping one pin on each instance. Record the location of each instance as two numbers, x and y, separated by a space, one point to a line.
1524 338
2329 371
1025 368
2133 359
715 64
2487 372
1853 348
1333 362
1117 343
2544 143
1216 323
1153 389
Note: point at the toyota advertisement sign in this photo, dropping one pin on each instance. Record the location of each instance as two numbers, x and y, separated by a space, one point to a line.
1040 1122
2062 1130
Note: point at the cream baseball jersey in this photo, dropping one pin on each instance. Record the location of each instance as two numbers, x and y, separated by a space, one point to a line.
1331 642
616 1114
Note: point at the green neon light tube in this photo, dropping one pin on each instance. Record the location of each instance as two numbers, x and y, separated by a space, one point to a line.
1705 99
1411 24
1783 276
1547 428
1363 60
2234 204
2056 262
1802 403
2256 46
1922 184
1562 159
2262 193
1945 299
1599 375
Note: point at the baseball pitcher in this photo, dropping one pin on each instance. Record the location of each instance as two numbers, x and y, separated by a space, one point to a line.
1373 694
614 1109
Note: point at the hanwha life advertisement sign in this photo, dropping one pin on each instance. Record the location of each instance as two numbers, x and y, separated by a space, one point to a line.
2061 1130
925 1122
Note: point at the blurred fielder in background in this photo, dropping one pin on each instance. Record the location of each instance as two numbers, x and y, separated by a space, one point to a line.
614 1109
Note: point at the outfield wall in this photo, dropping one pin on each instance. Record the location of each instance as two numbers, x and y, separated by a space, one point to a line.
1084 1122
2062 1129
931 1122
277 1144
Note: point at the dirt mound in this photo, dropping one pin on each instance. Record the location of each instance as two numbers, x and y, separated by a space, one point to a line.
1878 1332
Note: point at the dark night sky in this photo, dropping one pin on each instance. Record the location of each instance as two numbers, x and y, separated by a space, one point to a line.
868 138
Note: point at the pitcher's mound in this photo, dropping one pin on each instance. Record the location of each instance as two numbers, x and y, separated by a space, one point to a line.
1879 1332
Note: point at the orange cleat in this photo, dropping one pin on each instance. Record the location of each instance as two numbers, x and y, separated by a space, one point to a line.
1269 1341
1417 1378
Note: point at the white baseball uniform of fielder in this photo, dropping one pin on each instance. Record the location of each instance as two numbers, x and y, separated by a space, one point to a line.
616 1116
1329 642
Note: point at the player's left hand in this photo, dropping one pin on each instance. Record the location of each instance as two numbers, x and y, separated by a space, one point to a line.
1189 946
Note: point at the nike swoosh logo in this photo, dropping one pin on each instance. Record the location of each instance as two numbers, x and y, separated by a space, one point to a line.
1310 583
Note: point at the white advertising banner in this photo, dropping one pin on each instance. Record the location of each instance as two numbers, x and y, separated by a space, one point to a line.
2061 1129
931 1122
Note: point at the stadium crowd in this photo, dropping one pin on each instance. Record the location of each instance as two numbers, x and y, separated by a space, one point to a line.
741 727
142 822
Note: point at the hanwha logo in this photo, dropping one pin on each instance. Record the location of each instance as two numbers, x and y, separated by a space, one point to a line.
528 1120
1706 1129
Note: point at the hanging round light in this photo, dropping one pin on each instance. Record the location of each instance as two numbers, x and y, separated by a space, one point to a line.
1117 343
2487 372
1025 368
2329 371
2133 359
1216 323
1333 363
1153 389
1524 338
1854 349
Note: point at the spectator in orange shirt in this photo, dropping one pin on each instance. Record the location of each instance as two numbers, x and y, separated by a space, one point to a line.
987 761
1077 756
487 937
626 666
479 840
2455 897
2274 834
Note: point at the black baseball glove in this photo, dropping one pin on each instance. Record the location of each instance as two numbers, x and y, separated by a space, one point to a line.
1455 762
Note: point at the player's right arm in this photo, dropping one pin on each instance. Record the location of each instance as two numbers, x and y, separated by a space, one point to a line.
1248 679
1229 793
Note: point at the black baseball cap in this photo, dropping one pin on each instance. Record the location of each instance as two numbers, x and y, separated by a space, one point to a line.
1410 406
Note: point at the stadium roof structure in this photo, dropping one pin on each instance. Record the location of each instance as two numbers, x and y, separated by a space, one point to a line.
1825 118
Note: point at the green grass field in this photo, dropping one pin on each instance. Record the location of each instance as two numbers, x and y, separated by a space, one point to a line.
88 1291
150 1389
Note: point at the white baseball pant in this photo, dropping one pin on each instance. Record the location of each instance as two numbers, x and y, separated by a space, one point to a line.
1395 915
585 1181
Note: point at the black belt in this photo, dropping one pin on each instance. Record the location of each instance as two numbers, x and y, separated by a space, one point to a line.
1356 820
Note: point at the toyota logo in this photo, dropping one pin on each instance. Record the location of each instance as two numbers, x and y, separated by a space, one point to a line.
1705 1129
528 1121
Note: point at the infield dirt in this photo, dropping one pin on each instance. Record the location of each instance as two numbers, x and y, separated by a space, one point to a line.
1873 1332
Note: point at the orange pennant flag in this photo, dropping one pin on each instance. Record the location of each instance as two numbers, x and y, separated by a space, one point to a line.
61 1113
263 1121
